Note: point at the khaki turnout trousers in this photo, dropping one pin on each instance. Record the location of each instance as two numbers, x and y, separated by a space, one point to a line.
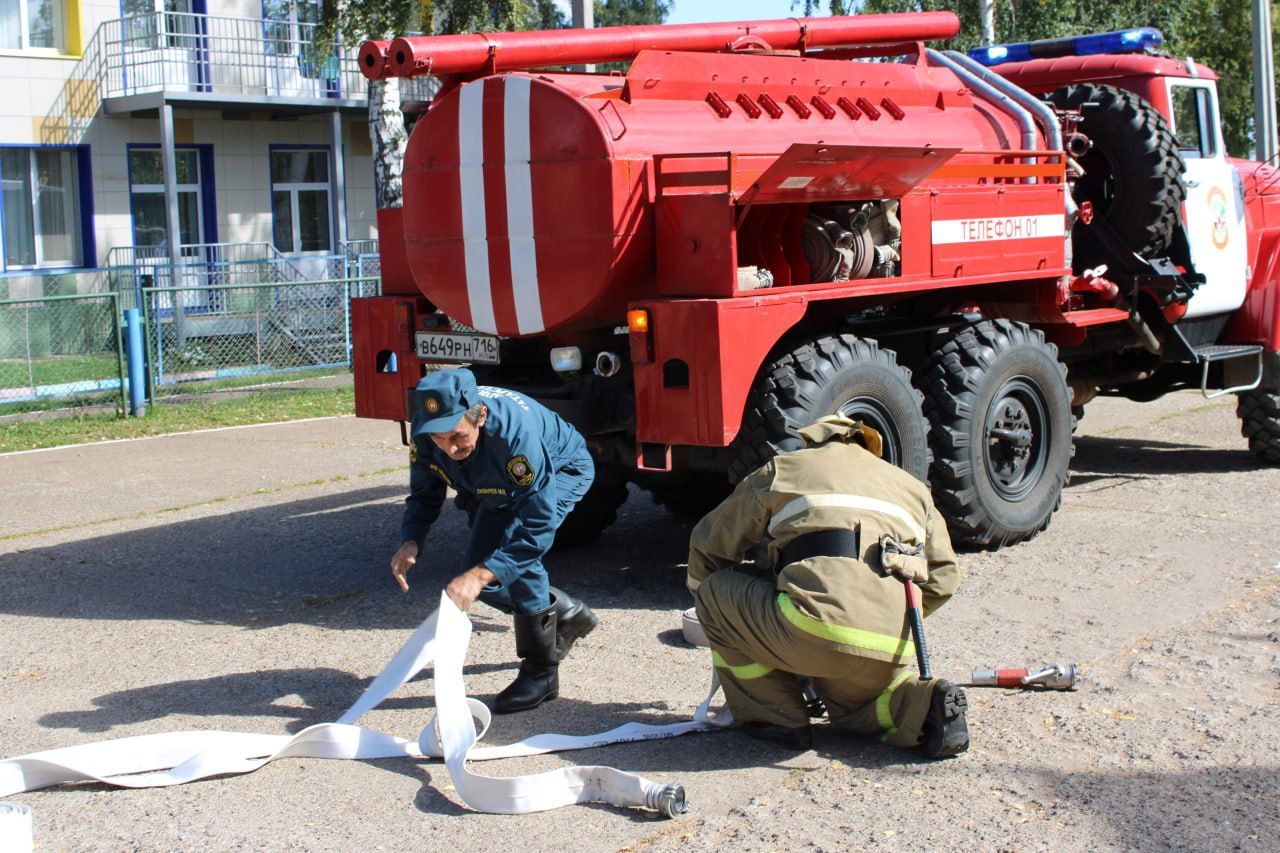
758 655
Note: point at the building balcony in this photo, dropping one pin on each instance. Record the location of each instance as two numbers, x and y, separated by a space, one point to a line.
221 62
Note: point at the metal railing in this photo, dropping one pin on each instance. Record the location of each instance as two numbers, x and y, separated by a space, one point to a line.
64 348
180 52
231 58
249 330
211 253
205 267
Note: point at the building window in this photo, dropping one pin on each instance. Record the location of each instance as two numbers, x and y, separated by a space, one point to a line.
32 24
41 215
178 20
288 25
300 200
146 197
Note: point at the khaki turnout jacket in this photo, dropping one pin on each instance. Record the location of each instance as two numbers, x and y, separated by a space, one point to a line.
835 482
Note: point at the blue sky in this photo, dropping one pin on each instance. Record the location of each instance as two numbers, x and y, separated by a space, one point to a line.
697 11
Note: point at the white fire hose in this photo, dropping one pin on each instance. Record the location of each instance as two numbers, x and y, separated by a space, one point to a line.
161 760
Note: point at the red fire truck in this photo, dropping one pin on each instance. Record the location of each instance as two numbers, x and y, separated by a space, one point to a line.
762 223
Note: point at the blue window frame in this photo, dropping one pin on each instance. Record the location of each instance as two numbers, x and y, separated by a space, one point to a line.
197 196
46 216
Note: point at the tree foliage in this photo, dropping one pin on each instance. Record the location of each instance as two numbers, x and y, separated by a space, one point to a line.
809 8
627 13
358 20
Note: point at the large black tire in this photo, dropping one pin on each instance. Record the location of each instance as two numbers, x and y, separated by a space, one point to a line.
692 496
1132 175
590 517
996 490
1259 413
836 374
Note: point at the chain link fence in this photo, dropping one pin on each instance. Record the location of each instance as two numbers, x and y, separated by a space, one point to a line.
230 316
224 336
62 350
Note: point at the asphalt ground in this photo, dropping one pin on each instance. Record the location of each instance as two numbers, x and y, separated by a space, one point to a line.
237 579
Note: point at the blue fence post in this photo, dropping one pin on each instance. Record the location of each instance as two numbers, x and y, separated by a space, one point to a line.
137 362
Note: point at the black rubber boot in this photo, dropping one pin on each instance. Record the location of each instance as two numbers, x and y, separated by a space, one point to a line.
539 678
798 738
946 731
574 620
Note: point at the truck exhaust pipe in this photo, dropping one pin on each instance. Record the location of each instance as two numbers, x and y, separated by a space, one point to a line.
608 364
490 53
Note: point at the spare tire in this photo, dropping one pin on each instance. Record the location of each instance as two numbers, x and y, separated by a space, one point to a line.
1132 174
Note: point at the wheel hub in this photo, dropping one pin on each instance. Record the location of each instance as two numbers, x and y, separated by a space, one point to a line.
874 415
1016 447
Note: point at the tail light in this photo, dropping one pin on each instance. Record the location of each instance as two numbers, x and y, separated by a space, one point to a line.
640 336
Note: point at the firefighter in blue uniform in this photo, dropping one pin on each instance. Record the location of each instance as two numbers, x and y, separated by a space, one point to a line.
526 468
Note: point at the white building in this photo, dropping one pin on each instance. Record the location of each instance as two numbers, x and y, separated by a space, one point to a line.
266 144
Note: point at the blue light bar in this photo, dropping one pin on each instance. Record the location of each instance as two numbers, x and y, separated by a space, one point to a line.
1122 41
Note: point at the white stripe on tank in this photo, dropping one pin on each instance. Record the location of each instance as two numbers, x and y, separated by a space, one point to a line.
475 235
524 259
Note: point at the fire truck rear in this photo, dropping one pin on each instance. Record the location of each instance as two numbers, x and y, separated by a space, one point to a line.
763 223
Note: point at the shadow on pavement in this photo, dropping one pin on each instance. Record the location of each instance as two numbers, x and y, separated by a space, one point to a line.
1101 458
319 694
320 561
1212 808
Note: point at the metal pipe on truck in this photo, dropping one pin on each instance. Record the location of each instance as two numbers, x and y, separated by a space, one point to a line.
495 52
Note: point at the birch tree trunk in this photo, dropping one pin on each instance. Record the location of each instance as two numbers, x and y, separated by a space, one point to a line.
386 132
987 11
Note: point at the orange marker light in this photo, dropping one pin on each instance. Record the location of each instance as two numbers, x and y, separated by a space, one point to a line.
641 345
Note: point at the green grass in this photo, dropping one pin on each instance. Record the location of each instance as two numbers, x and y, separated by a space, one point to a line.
112 397
233 382
247 407
59 369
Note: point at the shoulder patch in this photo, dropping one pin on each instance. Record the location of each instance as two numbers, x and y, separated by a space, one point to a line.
439 472
520 470
413 451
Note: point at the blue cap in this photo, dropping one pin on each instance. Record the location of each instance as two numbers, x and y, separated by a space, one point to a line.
441 399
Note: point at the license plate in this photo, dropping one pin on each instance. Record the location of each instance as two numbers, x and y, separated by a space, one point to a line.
456 347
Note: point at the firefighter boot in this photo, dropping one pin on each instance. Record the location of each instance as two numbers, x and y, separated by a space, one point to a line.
574 620
946 732
539 678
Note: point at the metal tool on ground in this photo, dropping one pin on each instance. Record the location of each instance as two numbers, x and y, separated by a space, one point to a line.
1055 676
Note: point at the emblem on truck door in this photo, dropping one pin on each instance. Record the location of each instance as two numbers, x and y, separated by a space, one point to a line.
1218 216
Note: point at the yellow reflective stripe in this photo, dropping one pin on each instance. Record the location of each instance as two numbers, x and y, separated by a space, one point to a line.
745 672
883 716
856 637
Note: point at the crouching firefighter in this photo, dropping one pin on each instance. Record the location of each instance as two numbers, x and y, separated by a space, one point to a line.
526 468
840 523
